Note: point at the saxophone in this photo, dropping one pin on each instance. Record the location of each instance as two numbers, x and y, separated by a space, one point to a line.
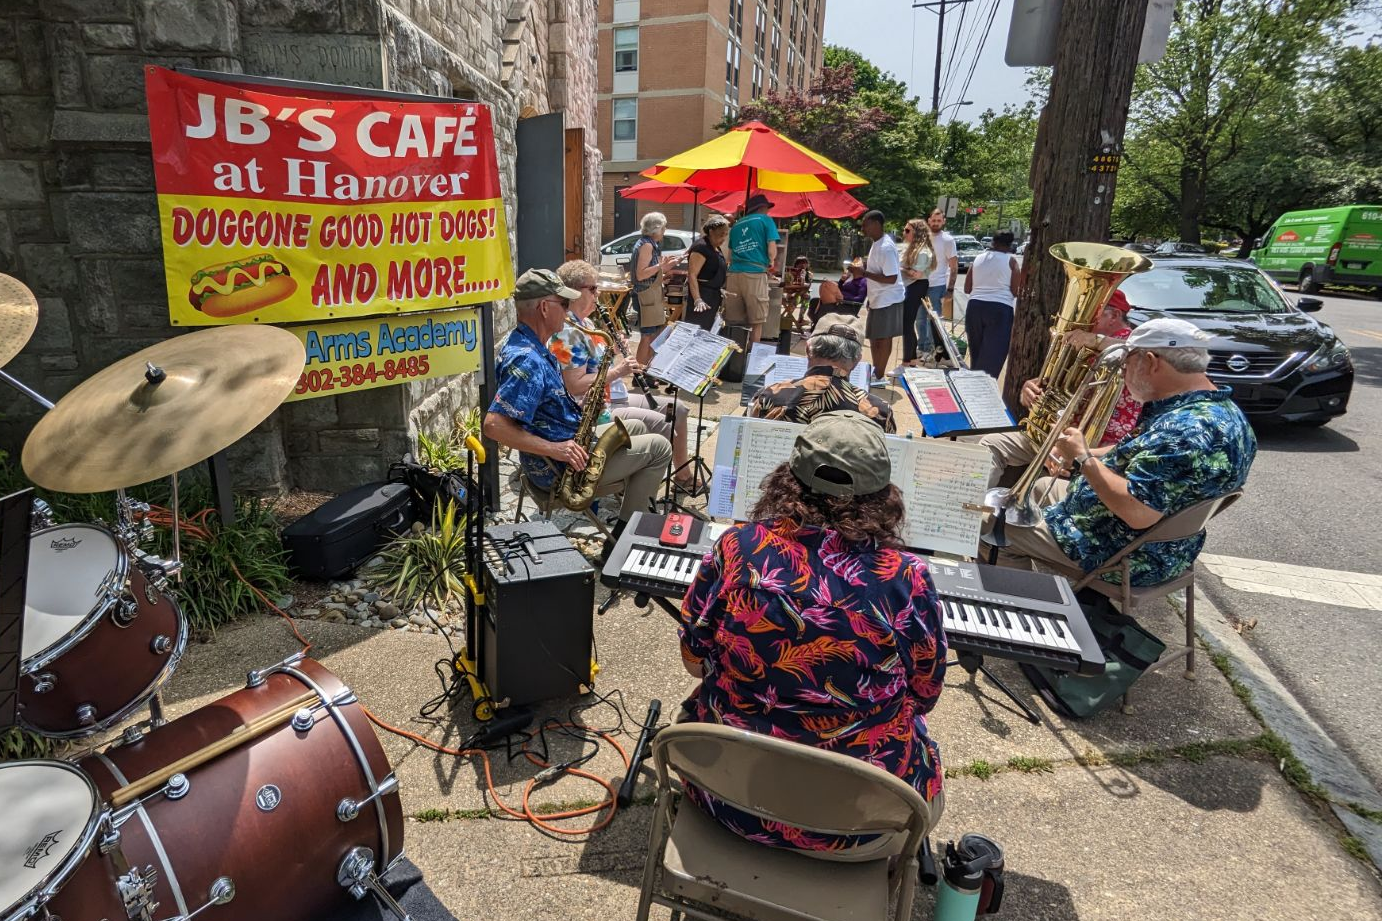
576 489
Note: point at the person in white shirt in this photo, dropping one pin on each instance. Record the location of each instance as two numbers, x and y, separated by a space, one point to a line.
883 306
945 270
991 284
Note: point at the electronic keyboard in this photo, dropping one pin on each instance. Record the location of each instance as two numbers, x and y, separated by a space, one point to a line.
986 610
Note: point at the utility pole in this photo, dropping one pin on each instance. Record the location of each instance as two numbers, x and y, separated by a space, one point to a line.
939 6
1074 164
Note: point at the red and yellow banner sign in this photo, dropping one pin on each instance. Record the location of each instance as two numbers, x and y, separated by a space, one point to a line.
351 355
277 208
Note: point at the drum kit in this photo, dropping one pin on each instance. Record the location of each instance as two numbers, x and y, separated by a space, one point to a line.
272 802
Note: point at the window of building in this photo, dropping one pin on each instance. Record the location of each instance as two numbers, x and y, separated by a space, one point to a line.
760 31
626 50
757 85
626 118
736 18
732 55
775 52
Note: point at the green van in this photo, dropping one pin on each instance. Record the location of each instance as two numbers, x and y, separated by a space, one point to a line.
1326 246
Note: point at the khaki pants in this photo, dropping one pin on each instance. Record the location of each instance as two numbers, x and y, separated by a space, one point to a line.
1009 449
639 468
1028 548
746 298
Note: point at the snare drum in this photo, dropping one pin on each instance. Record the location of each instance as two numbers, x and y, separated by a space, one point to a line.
99 638
282 826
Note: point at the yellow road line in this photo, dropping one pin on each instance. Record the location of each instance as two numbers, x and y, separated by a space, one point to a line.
1366 332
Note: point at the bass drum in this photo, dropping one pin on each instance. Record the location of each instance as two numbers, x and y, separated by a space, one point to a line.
99 638
281 826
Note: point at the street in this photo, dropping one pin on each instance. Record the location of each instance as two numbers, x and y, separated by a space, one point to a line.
1307 505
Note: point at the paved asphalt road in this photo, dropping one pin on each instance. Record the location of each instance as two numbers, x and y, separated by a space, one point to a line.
1312 499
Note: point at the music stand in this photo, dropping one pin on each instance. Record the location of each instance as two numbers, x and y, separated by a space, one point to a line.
700 472
15 512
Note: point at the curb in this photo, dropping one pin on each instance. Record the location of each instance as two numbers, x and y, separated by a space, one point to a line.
1328 765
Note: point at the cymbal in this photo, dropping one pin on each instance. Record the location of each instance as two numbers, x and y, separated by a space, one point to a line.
18 317
163 409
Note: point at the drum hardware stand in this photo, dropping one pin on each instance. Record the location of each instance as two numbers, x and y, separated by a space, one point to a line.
356 875
467 662
974 665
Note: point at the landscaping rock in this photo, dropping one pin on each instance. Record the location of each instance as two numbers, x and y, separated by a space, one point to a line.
419 620
285 601
370 597
398 623
333 617
309 613
387 609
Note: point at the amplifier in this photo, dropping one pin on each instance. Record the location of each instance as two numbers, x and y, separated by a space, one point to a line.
538 625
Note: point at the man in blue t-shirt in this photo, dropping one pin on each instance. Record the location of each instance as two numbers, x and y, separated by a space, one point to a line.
752 254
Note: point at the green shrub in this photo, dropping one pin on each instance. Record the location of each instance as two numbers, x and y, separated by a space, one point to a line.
18 744
429 563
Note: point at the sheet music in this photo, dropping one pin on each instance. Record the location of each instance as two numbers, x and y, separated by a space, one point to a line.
689 357
944 492
761 356
717 325
930 391
979 395
763 446
942 482
785 368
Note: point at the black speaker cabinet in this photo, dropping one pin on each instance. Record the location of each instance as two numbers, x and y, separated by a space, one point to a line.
539 609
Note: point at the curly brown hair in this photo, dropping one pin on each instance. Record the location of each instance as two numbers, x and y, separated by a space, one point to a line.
875 517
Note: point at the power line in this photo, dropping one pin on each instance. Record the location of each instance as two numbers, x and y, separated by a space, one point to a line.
988 27
954 53
966 42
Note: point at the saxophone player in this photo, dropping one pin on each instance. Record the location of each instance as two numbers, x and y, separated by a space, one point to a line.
533 413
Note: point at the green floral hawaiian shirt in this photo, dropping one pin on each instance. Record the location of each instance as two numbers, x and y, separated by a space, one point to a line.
1188 448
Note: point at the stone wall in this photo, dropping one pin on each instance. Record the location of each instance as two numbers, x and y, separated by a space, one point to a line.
78 221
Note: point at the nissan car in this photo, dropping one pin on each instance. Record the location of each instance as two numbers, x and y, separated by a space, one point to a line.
1282 364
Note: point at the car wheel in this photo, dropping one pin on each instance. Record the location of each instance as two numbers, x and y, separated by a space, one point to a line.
1307 281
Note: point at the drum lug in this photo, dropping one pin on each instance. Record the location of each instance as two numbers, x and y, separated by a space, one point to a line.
160 645
356 875
41 517
222 891
44 682
348 809
133 735
177 787
303 719
124 612
136 890
86 715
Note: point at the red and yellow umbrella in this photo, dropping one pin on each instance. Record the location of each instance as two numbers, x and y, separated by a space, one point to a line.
753 157
829 204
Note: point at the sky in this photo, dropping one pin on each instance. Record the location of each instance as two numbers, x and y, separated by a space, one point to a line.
902 40
878 29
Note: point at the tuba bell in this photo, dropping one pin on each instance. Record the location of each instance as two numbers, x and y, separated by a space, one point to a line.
1080 385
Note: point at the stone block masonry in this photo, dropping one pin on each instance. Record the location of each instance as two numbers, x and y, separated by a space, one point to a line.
78 217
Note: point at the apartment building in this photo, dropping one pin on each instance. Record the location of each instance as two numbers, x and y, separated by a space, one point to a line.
670 70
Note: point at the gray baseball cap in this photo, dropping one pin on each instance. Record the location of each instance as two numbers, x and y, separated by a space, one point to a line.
535 284
842 454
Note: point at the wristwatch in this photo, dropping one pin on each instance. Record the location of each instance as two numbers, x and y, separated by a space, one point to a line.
1078 463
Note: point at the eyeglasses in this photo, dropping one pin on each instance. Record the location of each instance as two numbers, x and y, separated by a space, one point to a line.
593 289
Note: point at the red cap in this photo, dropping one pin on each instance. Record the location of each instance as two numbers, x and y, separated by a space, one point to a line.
1119 301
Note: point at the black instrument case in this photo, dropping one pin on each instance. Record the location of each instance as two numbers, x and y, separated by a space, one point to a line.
332 540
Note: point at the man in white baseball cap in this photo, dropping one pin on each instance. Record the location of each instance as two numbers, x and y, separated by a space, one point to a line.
1193 443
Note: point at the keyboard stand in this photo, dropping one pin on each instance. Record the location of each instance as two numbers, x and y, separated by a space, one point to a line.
974 665
700 471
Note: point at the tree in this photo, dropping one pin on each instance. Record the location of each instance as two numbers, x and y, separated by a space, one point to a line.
989 164
1084 116
861 118
1225 61
1342 119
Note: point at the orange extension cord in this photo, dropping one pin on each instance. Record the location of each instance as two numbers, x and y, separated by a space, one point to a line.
197 527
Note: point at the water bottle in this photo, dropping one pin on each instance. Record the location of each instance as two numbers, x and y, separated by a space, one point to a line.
972 881
957 895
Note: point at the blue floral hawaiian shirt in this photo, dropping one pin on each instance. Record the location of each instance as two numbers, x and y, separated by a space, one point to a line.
532 393
802 635
1188 448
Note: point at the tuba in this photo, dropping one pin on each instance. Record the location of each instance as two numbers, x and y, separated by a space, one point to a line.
1080 386
576 489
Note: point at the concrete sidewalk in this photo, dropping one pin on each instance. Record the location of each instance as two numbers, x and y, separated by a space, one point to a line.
1176 811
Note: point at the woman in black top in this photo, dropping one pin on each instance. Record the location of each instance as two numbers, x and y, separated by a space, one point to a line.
706 273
